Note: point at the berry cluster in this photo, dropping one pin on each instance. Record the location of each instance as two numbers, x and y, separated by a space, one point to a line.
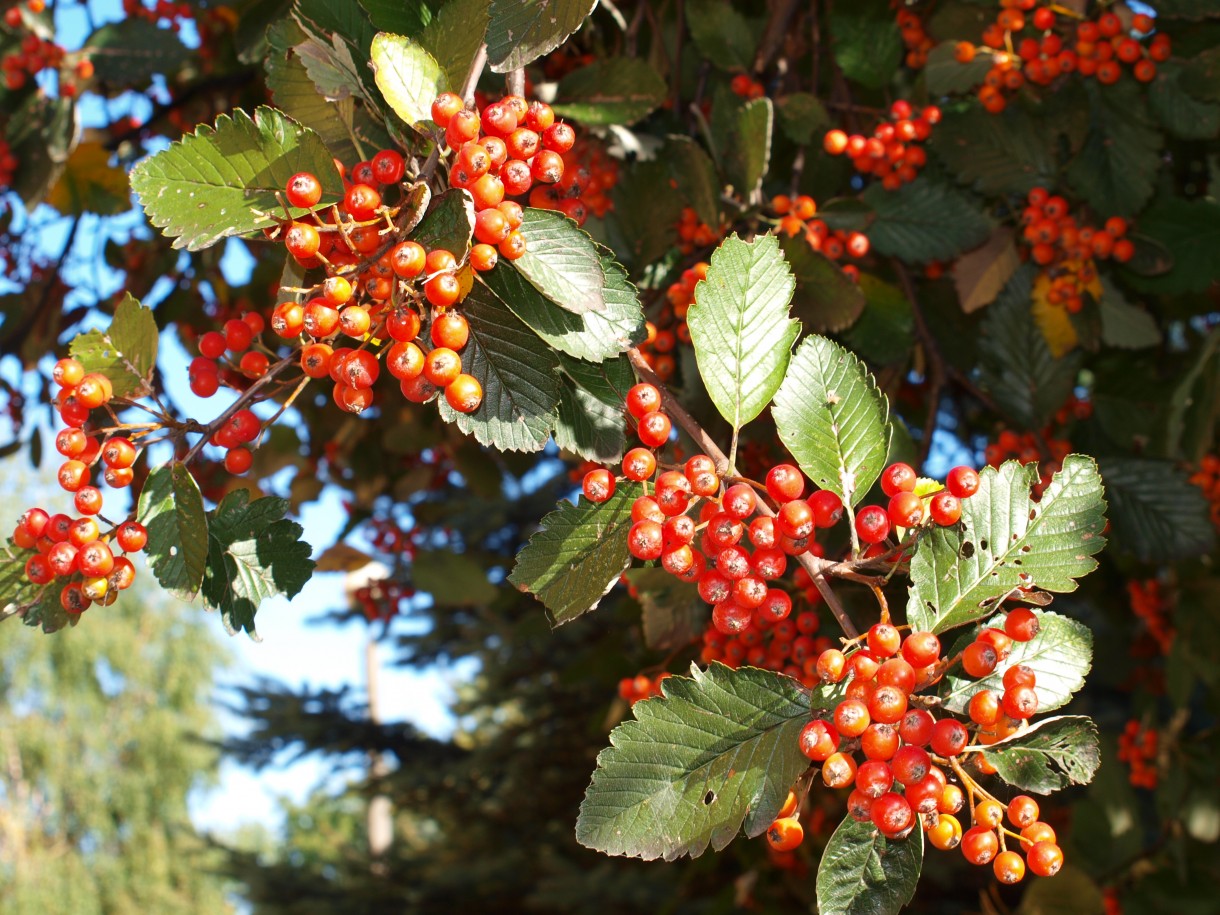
917 41
901 778
1149 604
694 234
160 11
1207 478
746 87
75 549
1057 240
893 153
788 646
634 689
35 54
1138 747
8 164
1024 447
797 218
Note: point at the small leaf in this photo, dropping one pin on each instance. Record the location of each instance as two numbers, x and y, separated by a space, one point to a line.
826 300
1189 229
740 328
613 90
801 116
866 43
521 31
1115 168
454 36
517 372
1006 541
722 35
171 507
562 262
207 185
254 554
590 421
577 554
924 221
979 275
453 579
1158 514
1179 112
126 352
864 873
945 75
408 77
1051 755
741 132
1124 325
128 53
1061 655
449 223
715 755
831 417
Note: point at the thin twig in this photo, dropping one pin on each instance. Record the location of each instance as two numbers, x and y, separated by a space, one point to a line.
514 82
774 33
473 74
247 396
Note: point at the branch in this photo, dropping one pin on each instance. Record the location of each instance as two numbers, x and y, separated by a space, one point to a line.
473 74
246 397
774 33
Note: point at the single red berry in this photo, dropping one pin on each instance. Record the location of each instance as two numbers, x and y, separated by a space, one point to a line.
654 429
963 482
944 508
1022 624
872 524
598 485
949 737
897 478
643 398
304 190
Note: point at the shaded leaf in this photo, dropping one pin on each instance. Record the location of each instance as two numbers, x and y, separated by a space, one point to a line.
590 421
171 507
673 614
613 90
1008 153
885 332
449 223
695 174
1177 110
1115 168
864 873
453 579
89 183
741 133
801 116
944 75
866 43
521 31
1191 231
1050 756
722 35
826 300
1157 513
454 36
924 221
1124 325
130 52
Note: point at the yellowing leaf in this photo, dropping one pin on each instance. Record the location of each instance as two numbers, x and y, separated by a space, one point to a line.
1052 320
89 183
979 275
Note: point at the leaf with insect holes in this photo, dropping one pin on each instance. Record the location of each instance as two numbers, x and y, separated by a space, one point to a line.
562 262
864 873
577 554
521 31
714 756
126 352
1053 754
740 328
1060 655
223 180
833 420
171 508
408 77
1006 541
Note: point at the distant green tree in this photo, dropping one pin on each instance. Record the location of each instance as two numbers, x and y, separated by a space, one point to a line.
101 742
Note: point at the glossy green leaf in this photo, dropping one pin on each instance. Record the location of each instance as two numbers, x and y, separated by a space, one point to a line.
562 262
449 223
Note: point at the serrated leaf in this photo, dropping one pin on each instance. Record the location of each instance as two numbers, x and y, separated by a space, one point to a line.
695 174
740 328
924 221
577 554
944 75
408 76
208 185
517 372
126 352
866 43
741 134
130 52
454 36
1008 153
18 594
721 34
1051 755
1157 513
614 90
673 615
979 275
832 419
342 37
562 262
521 31
254 554
716 754
846 214
1124 325
1061 655
1115 168
1191 231
885 332
453 579
449 223
864 873
1006 541
590 421
1178 111
171 507
826 300
1027 382
801 116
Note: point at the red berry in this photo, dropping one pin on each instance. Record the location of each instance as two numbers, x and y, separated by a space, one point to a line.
131 536
872 524
905 510
643 398
963 482
949 737
898 478
944 508
304 190
654 429
827 508
1022 624
598 485
785 483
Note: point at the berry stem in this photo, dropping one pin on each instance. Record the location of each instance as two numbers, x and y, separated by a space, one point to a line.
473 74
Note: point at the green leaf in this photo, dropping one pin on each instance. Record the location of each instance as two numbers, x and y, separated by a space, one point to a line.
647 208
1006 541
517 372
521 31
613 90
1027 382
590 421
717 754
405 17
696 177
254 554
454 36
673 613
1124 325
130 52
453 579
801 116
1189 229
207 185
408 77
1061 655
1158 514
19 595
864 873
171 507
866 43
1008 153
741 132
562 262
826 300
1050 756
944 75
42 134
577 554
1178 111
126 352
885 333
740 328
449 223
342 38
722 35
831 417
924 221
1115 168
1201 75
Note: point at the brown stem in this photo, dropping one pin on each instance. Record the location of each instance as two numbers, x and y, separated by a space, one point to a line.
514 82
773 33
247 396
473 74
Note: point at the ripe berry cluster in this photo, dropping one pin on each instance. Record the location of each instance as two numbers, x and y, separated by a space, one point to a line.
8 164
159 11
634 689
900 779
35 54
1139 747
669 328
1150 605
1058 240
797 218
746 87
1207 478
1027 447
694 234
917 41
893 153
74 548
